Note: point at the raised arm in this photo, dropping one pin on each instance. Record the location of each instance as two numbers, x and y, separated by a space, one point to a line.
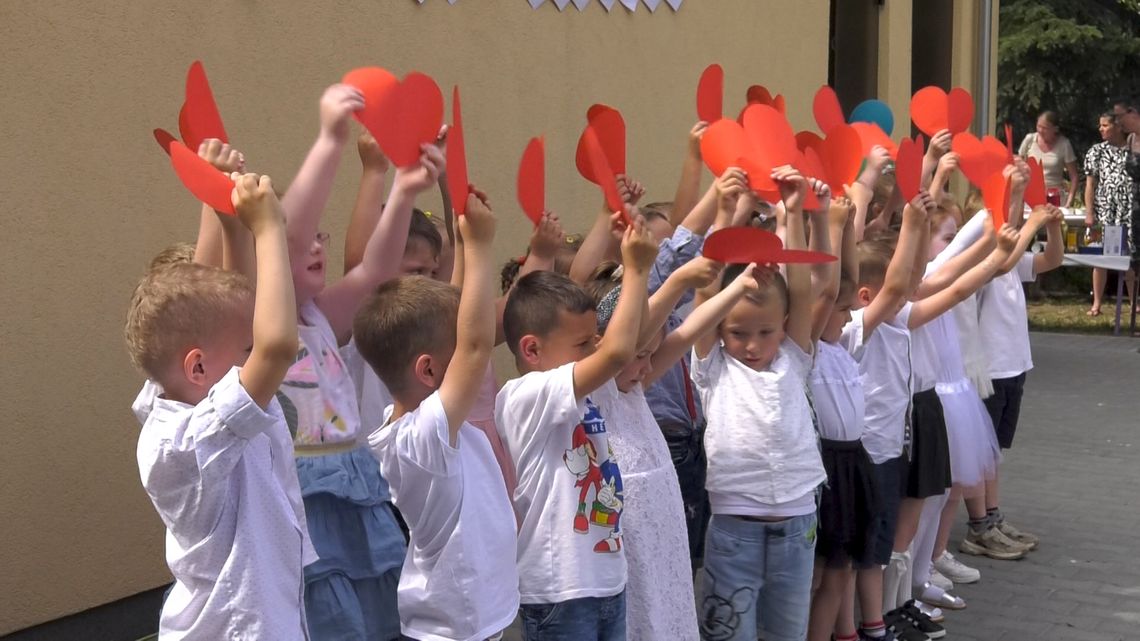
275 306
369 200
1054 253
953 268
831 232
885 305
696 273
597 245
793 188
222 239
689 186
860 197
475 323
727 192
927 309
939 146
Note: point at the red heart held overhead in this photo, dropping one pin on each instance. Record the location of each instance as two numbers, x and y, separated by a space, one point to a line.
933 110
908 167
408 116
1009 138
959 110
723 142
372 83
531 187
771 136
995 192
201 178
457 182
841 154
759 179
710 94
199 118
1035 192
758 95
600 166
980 159
825 107
805 139
609 128
752 245
810 166
872 135
164 138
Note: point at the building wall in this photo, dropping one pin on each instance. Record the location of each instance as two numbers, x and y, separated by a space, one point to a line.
87 197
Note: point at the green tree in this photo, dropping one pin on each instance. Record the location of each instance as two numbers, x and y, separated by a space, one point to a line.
1071 56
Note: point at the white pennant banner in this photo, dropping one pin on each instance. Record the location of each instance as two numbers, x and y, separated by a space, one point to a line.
607 4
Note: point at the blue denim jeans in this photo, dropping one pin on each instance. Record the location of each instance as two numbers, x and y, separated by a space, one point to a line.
757 576
585 619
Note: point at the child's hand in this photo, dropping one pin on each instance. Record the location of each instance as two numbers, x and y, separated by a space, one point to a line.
1018 178
840 211
878 158
478 224
822 193
631 191
699 272
695 134
371 157
418 178
1039 216
1056 216
1007 239
948 163
638 248
755 278
793 187
731 184
939 144
255 202
222 156
857 190
547 238
337 104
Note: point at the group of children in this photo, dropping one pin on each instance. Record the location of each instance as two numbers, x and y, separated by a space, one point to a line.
338 461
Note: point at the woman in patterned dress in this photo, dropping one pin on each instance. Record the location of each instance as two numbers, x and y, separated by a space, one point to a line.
1108 192
1128 117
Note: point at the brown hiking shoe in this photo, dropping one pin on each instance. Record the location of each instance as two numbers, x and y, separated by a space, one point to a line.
1017 536
994 544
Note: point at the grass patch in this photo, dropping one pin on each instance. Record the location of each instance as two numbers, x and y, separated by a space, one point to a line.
1068 315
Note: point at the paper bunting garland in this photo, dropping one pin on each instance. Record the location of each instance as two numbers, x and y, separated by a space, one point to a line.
630 5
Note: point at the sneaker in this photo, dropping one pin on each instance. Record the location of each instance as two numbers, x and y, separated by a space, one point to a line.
1017 536
899 630
953 570
938 579
994 544
917 619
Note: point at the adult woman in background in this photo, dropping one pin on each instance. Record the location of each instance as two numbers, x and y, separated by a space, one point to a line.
1056 155
1128 117
1108 192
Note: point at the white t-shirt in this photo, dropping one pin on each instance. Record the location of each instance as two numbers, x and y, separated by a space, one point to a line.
459 580
837 393
763 454
1004 322
222 478
317 396
371 393
885 370
569 494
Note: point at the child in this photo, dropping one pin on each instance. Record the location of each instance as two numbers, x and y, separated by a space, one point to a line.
214 453
763 461
459 579
572 571
351 591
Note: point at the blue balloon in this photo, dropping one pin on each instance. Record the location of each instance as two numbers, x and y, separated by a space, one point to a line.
876 112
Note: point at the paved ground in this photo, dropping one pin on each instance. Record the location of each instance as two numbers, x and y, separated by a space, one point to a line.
1072 478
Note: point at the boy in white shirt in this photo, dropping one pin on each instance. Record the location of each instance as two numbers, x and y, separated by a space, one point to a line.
431 348
572 570
215 454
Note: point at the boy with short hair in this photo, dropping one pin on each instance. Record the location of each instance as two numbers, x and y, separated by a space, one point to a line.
215 455
572 571
459 580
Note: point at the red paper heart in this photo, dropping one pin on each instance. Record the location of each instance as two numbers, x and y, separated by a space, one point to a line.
810 166
758 95
908 167
825 107
841 154
1035 192
609 128
980 159
600 167
164 139
199 118
752 245
959 110
872 135
1009 139
532 180
771 136
722 143
408 116
372 83
457 182
933 110
200 177
995 192
805 139
710 94
759 179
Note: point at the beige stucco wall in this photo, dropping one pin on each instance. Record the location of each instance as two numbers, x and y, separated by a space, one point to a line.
87 197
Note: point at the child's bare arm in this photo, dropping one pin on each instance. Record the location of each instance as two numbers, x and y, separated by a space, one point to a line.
793 188
475 323
860 197
829 230
381 260
921 257
689 186
934 306
877 160
598 244
275 308
897 280
305 200
698 272
939 146
222 240
619 345
702 216
369 200
953 268
1054 253
728 190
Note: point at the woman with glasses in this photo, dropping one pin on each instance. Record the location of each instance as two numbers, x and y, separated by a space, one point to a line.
1055 153
1108 191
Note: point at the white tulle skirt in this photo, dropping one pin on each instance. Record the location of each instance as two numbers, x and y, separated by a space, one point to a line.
974 451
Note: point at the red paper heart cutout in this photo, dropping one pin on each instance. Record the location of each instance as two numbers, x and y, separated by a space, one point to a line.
929 109
825 107
710 94
980 159
201 118
771 136
908 167
1035 192
722 143
532 180
609 128
758 95
810 166
842 156
457 182
752 245
600 167
1009 139
164 139
200 177
408 116
759 179
805 139
995 192
871 135
372 83
959 110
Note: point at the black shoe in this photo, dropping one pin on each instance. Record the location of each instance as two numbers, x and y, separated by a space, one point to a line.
918 620
898 629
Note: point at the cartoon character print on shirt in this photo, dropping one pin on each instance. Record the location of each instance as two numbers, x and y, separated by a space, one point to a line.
720 614
603 478
301 388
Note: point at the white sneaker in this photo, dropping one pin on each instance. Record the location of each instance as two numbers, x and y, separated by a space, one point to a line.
954 570
940 580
